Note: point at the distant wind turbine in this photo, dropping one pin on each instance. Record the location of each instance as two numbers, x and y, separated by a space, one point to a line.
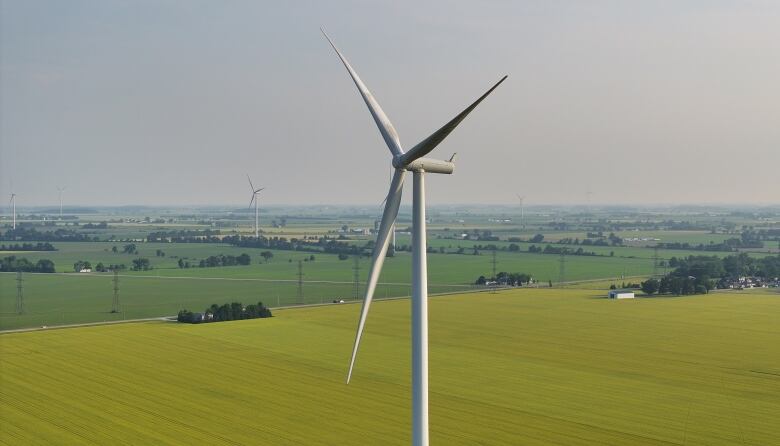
407 161
60 189
13 206
522 217
255 193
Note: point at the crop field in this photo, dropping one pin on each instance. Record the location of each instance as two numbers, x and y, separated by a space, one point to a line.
540 366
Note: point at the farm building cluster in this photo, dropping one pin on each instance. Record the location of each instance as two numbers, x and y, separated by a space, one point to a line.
747 282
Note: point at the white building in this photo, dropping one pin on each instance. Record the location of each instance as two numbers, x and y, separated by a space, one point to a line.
621 294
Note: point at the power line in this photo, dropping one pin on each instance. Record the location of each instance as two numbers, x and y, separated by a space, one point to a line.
300 281
19 294
356 269
655 261
115 303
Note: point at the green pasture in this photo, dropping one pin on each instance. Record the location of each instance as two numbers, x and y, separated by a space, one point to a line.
55 299
531 367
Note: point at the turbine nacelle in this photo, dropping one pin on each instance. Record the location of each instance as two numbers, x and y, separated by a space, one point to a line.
429 165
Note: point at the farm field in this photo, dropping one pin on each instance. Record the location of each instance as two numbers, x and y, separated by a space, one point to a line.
519 367
57 299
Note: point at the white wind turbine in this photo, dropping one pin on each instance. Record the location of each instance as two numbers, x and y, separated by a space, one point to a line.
13 206
60 190
255 193
412 161
522 217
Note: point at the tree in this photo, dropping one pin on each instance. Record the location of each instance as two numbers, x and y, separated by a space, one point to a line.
114 250
267 255
81 264
141 264
537 238
650 286
45 266
181 263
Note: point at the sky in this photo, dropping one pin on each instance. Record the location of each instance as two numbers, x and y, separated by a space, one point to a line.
173 102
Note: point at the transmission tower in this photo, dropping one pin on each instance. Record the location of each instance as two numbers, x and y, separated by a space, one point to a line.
356 269
562 267
300 281
19 294
494 262
115 303
655 261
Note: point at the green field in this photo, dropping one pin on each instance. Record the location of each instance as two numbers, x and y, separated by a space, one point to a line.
56 299
523 367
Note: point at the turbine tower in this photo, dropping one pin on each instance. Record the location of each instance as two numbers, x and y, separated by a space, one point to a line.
60 189
13 207
402 162
522 217
255 193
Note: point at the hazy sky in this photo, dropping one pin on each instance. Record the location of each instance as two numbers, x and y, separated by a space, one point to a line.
174 102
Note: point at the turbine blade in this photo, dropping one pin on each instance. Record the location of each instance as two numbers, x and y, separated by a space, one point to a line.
252 200
429 143
380 249
250 182
258 190
382 121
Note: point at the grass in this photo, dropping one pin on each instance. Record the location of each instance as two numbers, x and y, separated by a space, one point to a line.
75 298
56 299
523 367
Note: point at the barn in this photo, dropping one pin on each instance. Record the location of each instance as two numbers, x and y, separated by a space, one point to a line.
621 294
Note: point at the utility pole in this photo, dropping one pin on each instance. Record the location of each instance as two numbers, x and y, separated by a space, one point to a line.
356 270
19 294
562 267
115 303
300 281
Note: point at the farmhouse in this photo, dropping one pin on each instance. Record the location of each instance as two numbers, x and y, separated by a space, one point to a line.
85 270
621 294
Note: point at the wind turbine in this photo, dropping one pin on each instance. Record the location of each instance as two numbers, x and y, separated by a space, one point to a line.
522 217
13 205
255 192
407 161
60 189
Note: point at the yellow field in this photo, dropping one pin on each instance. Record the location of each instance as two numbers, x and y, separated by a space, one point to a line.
522 367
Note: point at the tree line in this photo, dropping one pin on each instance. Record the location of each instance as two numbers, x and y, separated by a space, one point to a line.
13 263
506 279
58 235
700 274
227 312
45 246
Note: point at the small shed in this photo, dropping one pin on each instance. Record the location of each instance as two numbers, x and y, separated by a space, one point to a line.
621 294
